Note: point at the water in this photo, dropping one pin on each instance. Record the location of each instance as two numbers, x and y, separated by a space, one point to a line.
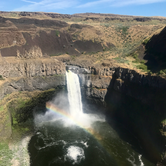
65 138
74 94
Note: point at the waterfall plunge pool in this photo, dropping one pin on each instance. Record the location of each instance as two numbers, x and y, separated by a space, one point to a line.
65 136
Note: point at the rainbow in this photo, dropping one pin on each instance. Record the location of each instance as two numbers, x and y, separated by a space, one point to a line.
54 108
63 113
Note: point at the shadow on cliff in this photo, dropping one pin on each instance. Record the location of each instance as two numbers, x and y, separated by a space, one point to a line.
155 52
137 119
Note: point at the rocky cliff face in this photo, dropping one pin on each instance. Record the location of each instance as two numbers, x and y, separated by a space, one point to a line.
29 75
134 100
123 80
31 68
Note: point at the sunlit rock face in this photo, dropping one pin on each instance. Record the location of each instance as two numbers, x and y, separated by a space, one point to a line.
31 68
78 70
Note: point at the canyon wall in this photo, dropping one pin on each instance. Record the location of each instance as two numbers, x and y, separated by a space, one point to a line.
30 75
134 100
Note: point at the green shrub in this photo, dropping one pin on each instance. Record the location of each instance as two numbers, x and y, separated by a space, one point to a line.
107 25
149 72
56 54
123 29
1 78
162 72
145 41
121 60
135 56
137 60
1 108
142 67
142 61
57 33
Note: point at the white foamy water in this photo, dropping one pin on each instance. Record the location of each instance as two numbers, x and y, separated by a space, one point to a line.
76 115
75 102
132 160
75 154
74 94
142 164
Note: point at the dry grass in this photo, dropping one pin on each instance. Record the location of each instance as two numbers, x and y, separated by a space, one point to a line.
123 32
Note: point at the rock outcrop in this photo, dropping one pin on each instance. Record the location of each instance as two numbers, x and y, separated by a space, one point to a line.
30 75
126 81
13 67
32 84
134 100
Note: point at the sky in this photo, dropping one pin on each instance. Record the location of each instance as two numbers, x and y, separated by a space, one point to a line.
124 7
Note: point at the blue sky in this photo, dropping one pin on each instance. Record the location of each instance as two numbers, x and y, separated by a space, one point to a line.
125 7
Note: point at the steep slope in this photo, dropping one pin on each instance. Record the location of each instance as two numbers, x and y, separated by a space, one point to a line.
155 51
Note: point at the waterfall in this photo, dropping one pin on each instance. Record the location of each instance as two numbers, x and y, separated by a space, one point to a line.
74 94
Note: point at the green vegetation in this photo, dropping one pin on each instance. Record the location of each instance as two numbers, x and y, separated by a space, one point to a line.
121 60
143 67
1 108
162 72
145 41
56 54
6 154
105 24
104 49
13 15
163 121
73 57
123 29
140 63
1 78
57 33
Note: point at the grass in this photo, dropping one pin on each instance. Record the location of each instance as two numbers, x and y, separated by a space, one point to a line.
57 33
73 57
58 54
121 60
122 29
142 67
105 24
145 41
1 108
163 121
140 63
6 154
1 78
